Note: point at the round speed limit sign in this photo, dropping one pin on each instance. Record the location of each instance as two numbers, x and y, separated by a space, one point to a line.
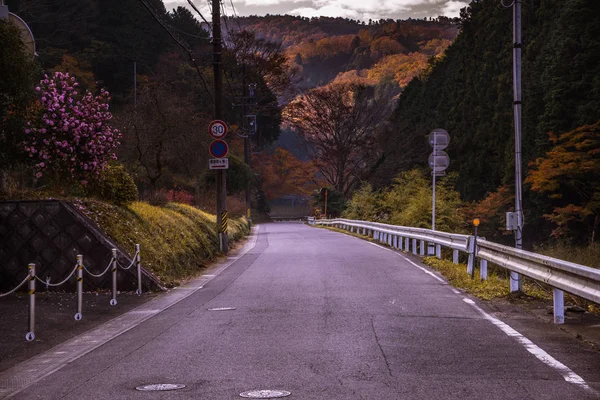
217 129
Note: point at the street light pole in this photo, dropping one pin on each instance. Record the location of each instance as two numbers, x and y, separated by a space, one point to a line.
516 281
218 115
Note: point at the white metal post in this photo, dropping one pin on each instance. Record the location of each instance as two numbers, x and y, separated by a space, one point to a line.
79 313
422 248
113 301
31 334
483 272
139 269
407 245
434 176
471 261
455 256
559 306
438 251
414 246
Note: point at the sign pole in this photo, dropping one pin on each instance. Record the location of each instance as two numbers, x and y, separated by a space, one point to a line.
516 281
434 175
218 114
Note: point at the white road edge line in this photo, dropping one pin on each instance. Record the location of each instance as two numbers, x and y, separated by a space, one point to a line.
75 348
531 347
568 374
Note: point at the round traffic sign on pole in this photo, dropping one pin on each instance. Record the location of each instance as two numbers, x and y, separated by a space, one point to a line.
218 148
439 161
439 139
217 129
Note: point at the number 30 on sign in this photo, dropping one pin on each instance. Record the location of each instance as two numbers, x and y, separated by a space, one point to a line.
217 129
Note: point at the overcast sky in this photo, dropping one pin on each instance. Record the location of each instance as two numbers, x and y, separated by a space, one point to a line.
353 9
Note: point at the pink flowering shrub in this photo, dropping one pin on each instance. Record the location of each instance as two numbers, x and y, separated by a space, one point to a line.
71 134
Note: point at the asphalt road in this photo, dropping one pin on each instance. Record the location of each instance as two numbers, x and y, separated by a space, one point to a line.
325 316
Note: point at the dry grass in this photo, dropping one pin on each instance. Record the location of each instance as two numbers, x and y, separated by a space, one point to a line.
176 240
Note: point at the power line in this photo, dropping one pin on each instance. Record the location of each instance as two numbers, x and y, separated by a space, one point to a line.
199 13
235 14
190 55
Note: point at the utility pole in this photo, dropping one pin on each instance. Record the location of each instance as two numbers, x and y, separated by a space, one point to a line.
516 281
246 137
218 115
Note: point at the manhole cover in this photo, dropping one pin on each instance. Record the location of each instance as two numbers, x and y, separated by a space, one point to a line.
222 309
160 387
265 394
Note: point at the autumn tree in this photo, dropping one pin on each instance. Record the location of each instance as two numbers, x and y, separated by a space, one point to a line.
339 126
569 174
281 174
161 135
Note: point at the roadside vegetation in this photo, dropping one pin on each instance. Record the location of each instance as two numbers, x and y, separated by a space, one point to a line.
176 240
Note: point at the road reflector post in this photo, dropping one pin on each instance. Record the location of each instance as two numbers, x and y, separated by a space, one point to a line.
113 301
472 264
31 334
79 275
471 261
559 306
138 263
483 264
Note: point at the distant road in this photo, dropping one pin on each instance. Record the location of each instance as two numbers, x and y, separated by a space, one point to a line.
327 316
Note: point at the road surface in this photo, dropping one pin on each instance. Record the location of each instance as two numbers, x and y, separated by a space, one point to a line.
327 316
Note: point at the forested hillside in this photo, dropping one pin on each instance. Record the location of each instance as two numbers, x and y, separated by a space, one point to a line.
325 48
469 92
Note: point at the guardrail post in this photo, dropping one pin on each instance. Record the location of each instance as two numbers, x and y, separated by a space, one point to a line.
559 306
414 247
471 262
139 269
483 269
31 334
455 256
113 301
422 248
438 251
407 245
400 242
78 314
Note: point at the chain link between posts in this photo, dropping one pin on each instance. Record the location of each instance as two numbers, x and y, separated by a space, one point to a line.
105 271
17 288
133 259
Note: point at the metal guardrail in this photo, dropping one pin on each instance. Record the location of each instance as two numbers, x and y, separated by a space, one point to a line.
577 279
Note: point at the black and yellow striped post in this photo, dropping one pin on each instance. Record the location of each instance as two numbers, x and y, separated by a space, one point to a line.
113 300
79 275
224 220
31 334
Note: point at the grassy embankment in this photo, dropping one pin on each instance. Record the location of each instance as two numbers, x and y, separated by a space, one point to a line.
497 284
176 240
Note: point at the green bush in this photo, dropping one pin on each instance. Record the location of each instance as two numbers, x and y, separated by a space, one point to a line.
407 202
115 185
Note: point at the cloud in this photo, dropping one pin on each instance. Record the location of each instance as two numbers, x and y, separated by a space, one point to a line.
452 8
353 9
